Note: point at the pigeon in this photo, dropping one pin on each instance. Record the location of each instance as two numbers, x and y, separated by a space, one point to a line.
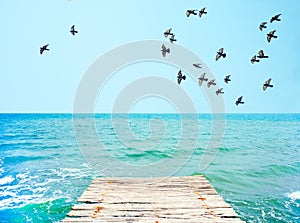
271 35
168 32
191 11
239 101
253 59
220 53
202 78
198 65
261 54
211 82
275 18
73 31
202 11
43 48
267 84
180 77
164 50
227 79
172 39
262 26
219 91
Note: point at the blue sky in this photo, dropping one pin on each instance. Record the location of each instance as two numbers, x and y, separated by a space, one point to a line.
31 82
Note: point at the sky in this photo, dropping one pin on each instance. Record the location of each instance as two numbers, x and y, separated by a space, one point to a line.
30 82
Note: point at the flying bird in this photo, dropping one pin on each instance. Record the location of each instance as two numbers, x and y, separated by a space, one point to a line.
168 32
43 48
164 50
73 31
219 91
239 101
191 11
172 39
220 53
275 18
227 79
198 65
261 54
180 77
211 82
271 35
202 11
267 84
253 59
202 78
262 26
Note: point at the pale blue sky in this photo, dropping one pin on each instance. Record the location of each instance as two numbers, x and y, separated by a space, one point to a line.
34 83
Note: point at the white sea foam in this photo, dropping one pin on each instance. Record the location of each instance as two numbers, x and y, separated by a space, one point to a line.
294 196
6 180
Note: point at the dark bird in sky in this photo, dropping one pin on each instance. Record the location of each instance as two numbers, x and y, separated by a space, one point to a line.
227 79
219 91
202 78
211 82
43 48
198 65
220 53
191 11
202 11
239 101
168 32
262 26
253 59
275 18
164 50
267 84
73 31
261 54
172 38
271 35
180 77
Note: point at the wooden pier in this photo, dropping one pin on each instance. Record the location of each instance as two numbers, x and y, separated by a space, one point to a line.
189 199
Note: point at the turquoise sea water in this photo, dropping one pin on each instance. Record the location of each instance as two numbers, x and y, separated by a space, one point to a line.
42 170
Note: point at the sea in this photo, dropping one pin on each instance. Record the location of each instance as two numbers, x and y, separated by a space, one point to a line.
48 160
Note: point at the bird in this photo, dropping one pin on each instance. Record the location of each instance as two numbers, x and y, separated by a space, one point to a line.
191 11
202 78
43 48
211 82
73 31
219 91
227 78
172 39
261 54
220 53
168 32
267 84
262 26
275 18
271 35
164 50
198 65
253 59
239 101
202 11
180 77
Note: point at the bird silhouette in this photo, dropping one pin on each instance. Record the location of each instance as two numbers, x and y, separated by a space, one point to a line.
172 39
43 48
267 84
180 77
73 31
202 11
239 101
198 65
219 91
168 32
211 82
164 50
275 18
253 59
262 26
227 79
220 53
191 11
271 35
202 78
261 54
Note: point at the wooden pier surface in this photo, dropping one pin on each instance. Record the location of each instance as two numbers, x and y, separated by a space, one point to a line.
189 199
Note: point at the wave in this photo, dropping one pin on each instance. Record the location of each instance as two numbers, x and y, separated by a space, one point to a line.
6 180
294 195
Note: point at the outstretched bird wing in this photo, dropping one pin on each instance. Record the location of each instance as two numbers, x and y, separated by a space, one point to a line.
167 32
261 53
218 56
188 13
198 65
221 50
268 81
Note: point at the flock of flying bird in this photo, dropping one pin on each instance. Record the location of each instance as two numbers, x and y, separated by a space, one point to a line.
221 53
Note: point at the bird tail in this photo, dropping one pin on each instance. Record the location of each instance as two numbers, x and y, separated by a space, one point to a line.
168 50
224 55
183 77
